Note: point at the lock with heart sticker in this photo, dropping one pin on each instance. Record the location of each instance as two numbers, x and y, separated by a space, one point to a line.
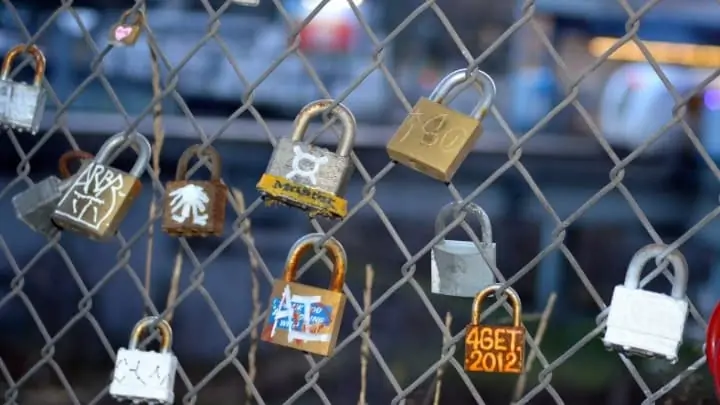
128 28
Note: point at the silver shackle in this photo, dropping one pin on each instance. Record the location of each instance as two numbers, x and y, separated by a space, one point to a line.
650 252
314 109
166 335
141 144
472 209
460 76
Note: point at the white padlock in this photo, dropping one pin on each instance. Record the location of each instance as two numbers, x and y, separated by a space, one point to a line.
145 376
647 323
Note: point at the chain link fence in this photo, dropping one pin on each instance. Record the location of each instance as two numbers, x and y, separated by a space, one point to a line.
380 378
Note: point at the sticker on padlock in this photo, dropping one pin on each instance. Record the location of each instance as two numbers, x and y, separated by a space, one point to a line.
435 139
195 207
128 28
36 205
22 105
458 267
647 323
101 196
145 376
304 317
495 348
307 176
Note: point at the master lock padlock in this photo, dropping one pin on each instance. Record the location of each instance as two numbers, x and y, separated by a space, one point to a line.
458 267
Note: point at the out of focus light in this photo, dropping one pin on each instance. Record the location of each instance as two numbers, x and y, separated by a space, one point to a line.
333 6
712 99
663 52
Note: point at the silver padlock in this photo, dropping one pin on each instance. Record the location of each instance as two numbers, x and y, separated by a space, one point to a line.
647 323
36 205
457 267
22 105
307 176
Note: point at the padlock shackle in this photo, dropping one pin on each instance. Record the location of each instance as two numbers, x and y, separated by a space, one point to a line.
307 243
141 143
342 113
199 150
455 79
166 335
650 252
512 296
139 17
69 156
472 209
35 52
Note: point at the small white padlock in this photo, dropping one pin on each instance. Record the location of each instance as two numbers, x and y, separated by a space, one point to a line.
647 323
457 267
146 376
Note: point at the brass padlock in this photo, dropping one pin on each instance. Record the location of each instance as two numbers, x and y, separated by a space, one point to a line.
304 317
128 28
435 139
195 207
100 197
22 105
493 348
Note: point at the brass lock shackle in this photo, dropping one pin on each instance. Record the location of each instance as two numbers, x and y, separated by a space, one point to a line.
460 76
144 150
166 334
139 17
69 156
197 150
472 209
312 110
512 295
650 252
305 244
35 52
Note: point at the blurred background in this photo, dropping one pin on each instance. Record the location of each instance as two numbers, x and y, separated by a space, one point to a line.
57 320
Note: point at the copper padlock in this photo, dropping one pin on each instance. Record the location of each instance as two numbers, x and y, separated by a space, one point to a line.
128 28
304 317
195 207
495 348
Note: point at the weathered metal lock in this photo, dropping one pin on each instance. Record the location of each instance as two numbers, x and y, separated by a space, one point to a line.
647 323
307 176
128 28
195 207
35 205
22 105
435 139
493 348
304 317
145 376
457 267
100 197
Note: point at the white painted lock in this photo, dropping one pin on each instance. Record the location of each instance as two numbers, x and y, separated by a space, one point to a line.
647 323
145 376
457 267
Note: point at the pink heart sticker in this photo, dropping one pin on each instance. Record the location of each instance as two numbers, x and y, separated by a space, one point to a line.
122 32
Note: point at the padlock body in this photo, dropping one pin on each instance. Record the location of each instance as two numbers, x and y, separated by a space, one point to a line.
22 105
194 208
458 268
304 317
124 34
494 349
97 201
645 323
36 205
434 140
144 376
308 177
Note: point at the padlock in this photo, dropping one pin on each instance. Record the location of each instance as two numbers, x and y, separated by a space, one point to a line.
304 317
457 267
307 176
647 323
195 207
128 28
22 105
35 205
495 348
100 197
145 376
435 139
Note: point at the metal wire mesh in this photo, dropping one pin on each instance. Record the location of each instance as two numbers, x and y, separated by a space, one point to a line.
524 19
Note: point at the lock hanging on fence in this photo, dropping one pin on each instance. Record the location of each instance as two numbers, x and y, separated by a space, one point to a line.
146 376
22 105
458 267
495 348
195 207
126 31
36 205
304 317
647 323
307 176
101 196
435 139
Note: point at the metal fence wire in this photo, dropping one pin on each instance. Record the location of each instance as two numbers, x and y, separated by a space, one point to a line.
15 382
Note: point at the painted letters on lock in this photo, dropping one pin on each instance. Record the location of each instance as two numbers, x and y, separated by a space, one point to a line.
304 317
94 195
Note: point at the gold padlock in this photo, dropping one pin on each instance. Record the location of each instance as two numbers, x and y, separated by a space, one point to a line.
304 317
435 139
127 30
